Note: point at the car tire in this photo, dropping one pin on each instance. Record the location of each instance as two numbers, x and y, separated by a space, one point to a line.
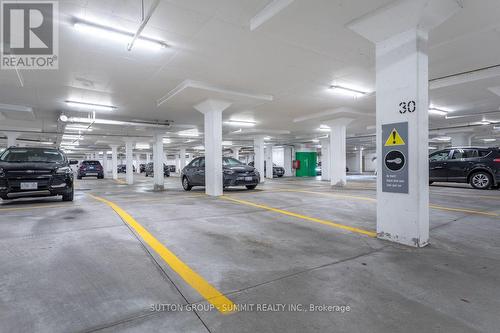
481 180
251 187
280 176
68 196
79 177
185 184
430 183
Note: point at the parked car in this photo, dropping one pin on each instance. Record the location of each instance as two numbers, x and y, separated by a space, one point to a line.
35 172
150 171
142 168
277 170
172 168
480 167
234 173
90 169
122 168
318 169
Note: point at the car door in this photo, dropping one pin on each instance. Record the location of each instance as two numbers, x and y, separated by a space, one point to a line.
459 164
190 170
438 163
200 172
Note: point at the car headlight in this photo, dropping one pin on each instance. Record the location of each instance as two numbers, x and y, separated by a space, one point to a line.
229 172
64 170
2 173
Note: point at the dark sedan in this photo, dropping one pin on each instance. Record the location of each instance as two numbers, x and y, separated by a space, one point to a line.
122 168
480 167
235 173
35 172
277 170
150 170
90 169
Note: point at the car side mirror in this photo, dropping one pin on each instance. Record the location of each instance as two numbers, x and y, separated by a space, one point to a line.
72 162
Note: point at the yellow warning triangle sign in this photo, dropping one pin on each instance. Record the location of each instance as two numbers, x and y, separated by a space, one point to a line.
394 139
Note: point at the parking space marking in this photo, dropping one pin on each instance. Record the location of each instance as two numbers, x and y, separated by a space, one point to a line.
120 181
36 207
304 217
470 211
196 281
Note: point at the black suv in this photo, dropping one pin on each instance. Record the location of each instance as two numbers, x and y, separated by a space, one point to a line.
234 173
150 170
34 172
478 166
90 169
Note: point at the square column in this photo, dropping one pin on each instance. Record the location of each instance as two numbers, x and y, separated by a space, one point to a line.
114 161
359 160
461 139
158 156
129 161
287 161
236 152
268 152
12 138
212 111
325 159
105 163
258 148
183 158
148 158
338 128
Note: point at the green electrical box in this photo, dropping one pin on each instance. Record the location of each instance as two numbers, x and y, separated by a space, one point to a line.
308 161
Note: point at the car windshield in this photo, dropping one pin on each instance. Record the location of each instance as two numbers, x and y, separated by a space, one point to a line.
228 161
27 155
91 162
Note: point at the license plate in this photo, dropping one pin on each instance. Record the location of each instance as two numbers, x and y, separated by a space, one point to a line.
29 186
248 179
91 174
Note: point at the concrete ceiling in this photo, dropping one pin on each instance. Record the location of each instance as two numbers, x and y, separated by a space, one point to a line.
294 57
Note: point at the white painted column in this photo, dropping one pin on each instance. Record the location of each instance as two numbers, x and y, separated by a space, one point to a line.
114 161
12 138
129 157
148 158
402 77
158 156
137 162
268 154
236 152
258 148
359 160
105 163
325 159
183 158
338 156
288 160
212 111
461 139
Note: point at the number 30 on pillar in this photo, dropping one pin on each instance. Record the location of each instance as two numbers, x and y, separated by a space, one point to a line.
408 106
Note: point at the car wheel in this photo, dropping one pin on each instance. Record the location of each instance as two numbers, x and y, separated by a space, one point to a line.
186 185
68 196
280 176
481 180
251 187
79 177
430 183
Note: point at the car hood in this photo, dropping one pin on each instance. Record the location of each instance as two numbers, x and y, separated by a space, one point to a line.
240 168
30 166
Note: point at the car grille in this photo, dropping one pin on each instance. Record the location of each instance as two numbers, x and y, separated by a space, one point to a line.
26 173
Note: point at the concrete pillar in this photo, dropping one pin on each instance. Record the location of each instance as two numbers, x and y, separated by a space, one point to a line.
105 163
212 110
402 85
461 139
137 162
359 160
183 158
148 158
288 160
268 155
258 148
158 156
325 159
12 138
114 161
236 152
337 151
129 159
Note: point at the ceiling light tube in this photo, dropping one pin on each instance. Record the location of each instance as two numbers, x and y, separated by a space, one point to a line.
90 106
117 35
242 123
347 91
437 111
489 140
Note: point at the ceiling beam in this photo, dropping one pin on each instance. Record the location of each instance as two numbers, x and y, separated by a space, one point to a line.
144 22
268 12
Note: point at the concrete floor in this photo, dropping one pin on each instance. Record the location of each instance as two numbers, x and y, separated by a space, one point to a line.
76 267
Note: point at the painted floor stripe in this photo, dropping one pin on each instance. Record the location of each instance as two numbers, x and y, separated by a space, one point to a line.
196 281
36 207
304 217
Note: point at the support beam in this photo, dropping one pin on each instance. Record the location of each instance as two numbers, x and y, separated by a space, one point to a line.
359 160
129 157
183 158
402 72
236 152
288 157
268 153
12 138
158 156
325 159
105 164
338 128
114 161
212 110
258 148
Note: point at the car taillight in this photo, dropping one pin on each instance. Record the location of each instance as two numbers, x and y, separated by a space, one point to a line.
496 160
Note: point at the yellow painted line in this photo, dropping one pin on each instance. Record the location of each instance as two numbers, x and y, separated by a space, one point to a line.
304 217
35 207
120 181
336 195
464 210
196 281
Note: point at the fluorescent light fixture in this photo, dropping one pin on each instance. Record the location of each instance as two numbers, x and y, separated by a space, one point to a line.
167 140
117 35
15 108
142 146
227 143
242 123
63 118
432 148
437 111
189 133
267 138
315 140
324 128
496 128
490 140
90 106
485 122
346 91
442 138
77 129
199 148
